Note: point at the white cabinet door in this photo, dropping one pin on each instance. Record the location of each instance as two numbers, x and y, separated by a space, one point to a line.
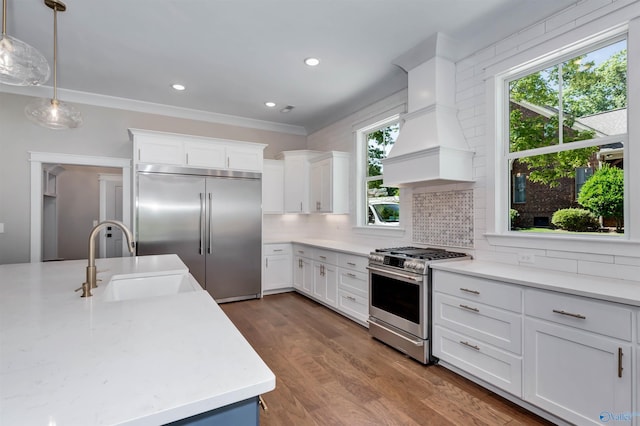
296 184
273 187
574 374
321 183
277 272
248 159
205 155
303 274
325 283
160 151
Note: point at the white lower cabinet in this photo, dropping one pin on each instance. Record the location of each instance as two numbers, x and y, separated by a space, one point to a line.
497 367
572 370
303 269
568 355
336 279
276 268
476 332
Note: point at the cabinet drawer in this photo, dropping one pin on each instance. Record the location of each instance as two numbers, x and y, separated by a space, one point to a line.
353 305
354 282
492 365
325 256
600 317
270 249
493 293
353 261
303 251
497 327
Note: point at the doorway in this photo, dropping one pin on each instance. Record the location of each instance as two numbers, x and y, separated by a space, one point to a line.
38 186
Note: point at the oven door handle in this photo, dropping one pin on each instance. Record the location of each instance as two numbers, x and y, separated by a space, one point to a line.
418 342
396 274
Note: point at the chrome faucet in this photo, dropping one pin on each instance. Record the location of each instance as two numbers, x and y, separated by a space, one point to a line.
91 268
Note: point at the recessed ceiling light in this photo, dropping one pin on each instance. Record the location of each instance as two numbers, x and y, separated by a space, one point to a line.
312 62
270 104
178 87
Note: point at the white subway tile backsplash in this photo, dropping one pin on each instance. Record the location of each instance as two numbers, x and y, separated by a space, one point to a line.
626 260
555 264
444 218
581 256
607 270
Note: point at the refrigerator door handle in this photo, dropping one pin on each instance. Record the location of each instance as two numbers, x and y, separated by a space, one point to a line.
210 229
201 248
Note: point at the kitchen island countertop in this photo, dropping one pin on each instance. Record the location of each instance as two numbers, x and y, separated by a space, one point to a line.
67 360
609 289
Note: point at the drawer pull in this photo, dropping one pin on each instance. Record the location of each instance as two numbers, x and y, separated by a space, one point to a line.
469 345
277 249
466 290
569 314
620 362
349 274
469 308
301 251
351 264
323 257
353 299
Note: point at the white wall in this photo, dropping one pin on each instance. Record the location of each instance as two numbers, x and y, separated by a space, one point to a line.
474 102
104 133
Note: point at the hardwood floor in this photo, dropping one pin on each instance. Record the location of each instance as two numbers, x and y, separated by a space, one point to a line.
330 372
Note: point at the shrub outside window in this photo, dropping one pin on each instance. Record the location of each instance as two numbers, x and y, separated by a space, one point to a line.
567 127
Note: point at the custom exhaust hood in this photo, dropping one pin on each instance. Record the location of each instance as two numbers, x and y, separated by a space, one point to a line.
430 148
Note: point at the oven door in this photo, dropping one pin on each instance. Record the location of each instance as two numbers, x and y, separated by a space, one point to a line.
399 299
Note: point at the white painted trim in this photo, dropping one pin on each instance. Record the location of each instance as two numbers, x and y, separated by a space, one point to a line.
152 108
103 178
39 158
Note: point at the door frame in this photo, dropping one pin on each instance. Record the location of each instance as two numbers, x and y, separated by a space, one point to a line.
37 159
103 178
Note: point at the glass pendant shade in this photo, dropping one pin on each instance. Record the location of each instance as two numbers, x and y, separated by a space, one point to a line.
21 64
53 114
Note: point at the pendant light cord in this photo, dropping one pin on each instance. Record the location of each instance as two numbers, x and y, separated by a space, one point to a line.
55 53
4 18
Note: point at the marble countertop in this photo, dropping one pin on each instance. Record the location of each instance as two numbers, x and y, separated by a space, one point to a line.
609 289
67 360
357 249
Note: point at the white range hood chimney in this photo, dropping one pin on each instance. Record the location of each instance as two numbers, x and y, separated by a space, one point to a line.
430 147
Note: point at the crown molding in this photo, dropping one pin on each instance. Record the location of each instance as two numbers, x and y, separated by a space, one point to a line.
152 108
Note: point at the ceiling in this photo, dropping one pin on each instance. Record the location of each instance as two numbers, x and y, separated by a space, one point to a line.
234 55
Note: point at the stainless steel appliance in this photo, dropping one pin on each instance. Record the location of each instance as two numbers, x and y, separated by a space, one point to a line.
400 297
212 219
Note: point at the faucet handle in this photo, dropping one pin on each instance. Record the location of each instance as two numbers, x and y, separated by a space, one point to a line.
86 291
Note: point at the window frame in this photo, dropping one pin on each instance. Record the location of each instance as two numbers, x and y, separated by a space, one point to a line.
362 179
544 51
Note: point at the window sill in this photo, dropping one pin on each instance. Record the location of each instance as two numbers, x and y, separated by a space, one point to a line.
380 231
616 246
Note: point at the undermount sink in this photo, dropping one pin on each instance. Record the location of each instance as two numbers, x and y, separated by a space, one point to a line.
137 287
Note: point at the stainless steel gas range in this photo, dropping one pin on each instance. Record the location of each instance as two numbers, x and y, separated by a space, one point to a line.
400 297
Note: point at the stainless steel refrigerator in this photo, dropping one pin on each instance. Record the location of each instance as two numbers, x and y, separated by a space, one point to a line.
212 219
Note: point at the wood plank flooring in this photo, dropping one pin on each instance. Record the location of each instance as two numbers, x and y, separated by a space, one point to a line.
330 372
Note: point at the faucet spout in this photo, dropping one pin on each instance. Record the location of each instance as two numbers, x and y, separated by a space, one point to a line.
91 268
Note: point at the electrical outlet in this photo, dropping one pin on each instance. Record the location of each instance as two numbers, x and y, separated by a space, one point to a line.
526 258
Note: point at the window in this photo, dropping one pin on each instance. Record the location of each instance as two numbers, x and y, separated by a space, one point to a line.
381 203
567 128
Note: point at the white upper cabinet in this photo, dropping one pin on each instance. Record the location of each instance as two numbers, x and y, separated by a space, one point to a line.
296 180
330 183
273 187
195 151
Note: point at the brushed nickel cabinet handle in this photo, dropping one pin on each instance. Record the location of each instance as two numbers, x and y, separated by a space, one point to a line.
349 274
262 403
466 290
620 362
353 299
323 257
469 308
469 345
569 314
187 157
266 262
351 264
277 250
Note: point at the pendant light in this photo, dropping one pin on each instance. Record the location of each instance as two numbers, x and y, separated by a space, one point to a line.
53 113
20 63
